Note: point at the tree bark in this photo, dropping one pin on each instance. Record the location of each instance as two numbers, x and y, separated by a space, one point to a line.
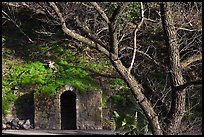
176 113
138 92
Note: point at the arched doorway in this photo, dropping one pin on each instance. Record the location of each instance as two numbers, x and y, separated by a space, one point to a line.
68 110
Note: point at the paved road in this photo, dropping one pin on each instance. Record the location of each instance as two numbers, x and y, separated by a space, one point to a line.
70 132
57 132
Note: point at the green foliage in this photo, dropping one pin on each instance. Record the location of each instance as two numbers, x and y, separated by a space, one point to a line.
6 99
123 97
132 12
128 119
118 98
35 72
5 105
117 82
128 124
111 6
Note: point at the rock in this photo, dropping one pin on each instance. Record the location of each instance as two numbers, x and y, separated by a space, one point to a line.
4 126
14 124
27 122
8 125
17 124
27 125
21 122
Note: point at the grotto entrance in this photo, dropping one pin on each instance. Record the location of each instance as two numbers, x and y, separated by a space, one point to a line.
68 110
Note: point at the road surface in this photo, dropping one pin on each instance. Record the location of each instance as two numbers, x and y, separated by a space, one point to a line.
57 132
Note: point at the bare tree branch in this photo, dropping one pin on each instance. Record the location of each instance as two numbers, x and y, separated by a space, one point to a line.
112 27
76 35
16 4
183 86
135 38
10 19
88 32
148 57
190 60
189 29
101 12
118 12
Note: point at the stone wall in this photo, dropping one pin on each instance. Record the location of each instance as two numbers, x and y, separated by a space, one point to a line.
89 110
47 108
46 111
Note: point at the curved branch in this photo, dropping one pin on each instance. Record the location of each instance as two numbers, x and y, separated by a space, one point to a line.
101 12
76 35
88 32
190 60
112 27
135 37
118 12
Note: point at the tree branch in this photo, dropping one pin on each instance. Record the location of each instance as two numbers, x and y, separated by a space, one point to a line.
101 12
153 96
76 35
88 32
112 28
16 4
135 37
183 86
148 57
10 19
118 12
186 29
190 60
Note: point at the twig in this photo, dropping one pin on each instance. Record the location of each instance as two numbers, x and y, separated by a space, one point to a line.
135 36
10 19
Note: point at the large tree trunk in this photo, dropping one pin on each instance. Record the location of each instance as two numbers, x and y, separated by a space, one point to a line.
176 113
137 91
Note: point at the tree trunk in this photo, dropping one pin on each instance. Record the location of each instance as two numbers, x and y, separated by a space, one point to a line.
176 113
137 91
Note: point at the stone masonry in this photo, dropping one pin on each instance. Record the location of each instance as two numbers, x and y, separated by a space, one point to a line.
68 109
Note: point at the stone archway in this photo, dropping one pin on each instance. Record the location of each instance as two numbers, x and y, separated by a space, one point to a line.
68 110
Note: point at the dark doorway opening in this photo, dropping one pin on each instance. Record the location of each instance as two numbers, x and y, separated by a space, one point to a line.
24 107
68 110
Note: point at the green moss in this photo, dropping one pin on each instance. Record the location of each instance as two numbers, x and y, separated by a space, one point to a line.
33 71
